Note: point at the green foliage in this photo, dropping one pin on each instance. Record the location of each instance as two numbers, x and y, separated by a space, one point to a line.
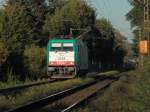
17 30
55 4
37 11
16 27
135 16
104 25
21 26
1 20
112 43
10 77
24 21
4 55
34 61
135 45
74 14
120 41
4 52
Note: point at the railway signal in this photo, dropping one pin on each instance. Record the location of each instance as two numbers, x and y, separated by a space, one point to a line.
143 47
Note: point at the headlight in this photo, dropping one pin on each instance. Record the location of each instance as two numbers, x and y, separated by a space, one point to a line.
51 69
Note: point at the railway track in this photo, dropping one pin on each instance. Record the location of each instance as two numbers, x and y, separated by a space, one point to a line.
25 86
82 99
66 100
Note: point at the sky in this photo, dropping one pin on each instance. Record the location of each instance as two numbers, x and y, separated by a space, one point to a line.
114 11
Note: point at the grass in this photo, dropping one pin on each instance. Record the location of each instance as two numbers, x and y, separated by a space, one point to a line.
7 102
15 82
105 74
131 93
109 73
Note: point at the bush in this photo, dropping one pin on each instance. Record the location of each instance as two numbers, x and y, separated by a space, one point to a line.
4 52
34 61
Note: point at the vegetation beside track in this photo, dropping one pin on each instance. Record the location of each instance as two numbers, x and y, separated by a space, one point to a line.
35 93
112 73
13 83
109 74
131 93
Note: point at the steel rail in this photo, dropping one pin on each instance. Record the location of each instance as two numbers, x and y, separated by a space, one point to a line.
50 99
84 99
31 106
21 87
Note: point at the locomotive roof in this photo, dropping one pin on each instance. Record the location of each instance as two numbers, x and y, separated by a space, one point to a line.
62 40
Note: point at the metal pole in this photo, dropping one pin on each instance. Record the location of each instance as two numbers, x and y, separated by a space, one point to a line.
146 22
141 56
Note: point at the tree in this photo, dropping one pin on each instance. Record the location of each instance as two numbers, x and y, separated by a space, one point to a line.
109 48
37 9
17 30
74 14
34 61
104 26
16 27
33 15
106 44
135 45
135 17
55 4
4 52
1 20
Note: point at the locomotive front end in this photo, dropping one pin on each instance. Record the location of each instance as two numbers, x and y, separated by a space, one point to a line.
61 59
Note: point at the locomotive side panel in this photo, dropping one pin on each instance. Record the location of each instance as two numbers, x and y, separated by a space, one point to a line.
82 56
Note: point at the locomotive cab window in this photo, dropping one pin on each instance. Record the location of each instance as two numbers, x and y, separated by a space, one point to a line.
56 47
68 47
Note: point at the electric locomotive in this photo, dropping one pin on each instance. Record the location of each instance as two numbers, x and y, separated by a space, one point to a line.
66 58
